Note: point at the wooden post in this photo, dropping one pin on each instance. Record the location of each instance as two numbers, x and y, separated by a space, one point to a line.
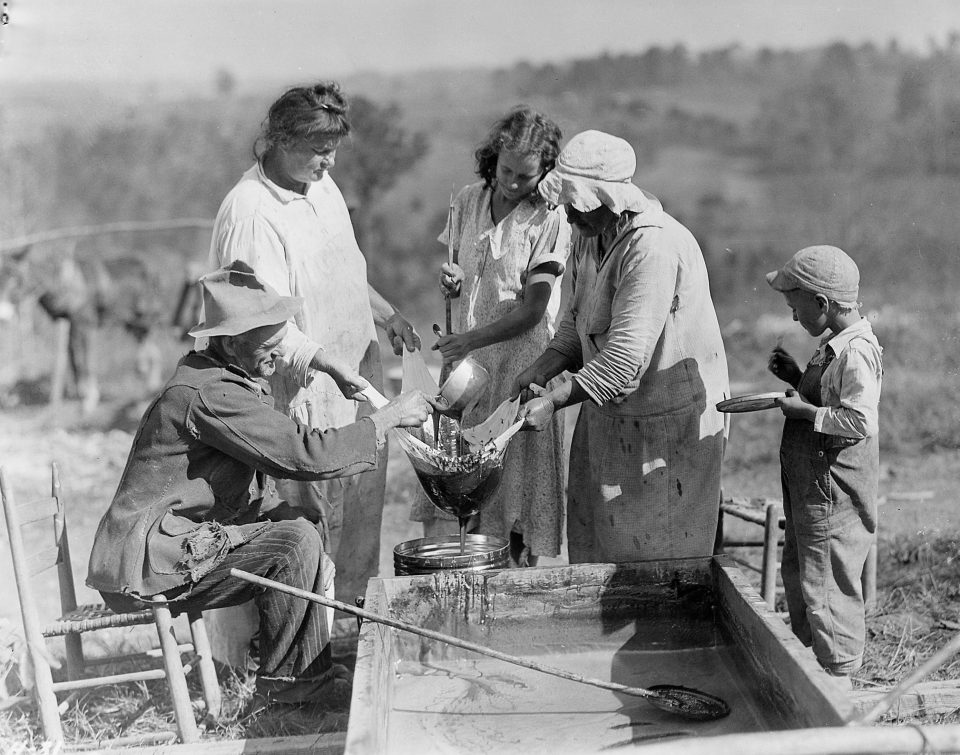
208 673
37 652
771 538
177 682
869 578
68 593
59 379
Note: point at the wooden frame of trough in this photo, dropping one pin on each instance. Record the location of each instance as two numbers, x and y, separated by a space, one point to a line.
788 677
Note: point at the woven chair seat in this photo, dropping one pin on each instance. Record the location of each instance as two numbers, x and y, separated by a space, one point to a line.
95 616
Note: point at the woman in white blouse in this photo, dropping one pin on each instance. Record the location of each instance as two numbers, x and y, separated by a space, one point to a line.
287 219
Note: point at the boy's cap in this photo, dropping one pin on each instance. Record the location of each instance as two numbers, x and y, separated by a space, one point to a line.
235 301
822 269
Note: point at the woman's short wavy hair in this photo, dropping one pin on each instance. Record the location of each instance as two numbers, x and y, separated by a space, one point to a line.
523 130
303 113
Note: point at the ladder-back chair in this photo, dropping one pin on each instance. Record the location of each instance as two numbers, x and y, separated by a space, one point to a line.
30 565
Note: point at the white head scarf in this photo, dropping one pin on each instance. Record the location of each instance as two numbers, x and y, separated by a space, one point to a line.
595 168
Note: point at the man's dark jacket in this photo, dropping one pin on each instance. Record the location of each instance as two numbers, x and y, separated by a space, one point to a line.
184 498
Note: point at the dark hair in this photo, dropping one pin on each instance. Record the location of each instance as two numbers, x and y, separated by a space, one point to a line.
304 112
523 130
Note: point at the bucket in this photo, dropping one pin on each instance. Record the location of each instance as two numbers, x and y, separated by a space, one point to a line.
432 554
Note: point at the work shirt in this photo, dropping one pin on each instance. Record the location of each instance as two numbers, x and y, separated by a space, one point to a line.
184 501
641 325
850 386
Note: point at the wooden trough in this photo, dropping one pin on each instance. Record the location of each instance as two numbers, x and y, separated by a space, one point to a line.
692 622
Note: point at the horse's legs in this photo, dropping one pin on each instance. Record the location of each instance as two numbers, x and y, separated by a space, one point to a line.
81 346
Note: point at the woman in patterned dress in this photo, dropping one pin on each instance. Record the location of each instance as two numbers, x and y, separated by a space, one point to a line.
511 250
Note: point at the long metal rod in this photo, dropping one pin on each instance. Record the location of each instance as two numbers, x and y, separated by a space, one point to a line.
440 637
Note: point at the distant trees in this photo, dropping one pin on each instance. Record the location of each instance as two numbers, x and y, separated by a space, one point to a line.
840 107
181 160
377 153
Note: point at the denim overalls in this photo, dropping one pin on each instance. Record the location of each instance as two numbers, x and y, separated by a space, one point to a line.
830 504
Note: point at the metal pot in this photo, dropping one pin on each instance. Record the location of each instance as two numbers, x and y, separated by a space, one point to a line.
464 387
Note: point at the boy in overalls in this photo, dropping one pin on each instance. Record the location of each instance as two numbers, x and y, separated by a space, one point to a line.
829 456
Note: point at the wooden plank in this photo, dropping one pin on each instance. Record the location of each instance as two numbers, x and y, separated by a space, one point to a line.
99 681
314 744
41 560
790 677
924 700
850 740
34 511
373 681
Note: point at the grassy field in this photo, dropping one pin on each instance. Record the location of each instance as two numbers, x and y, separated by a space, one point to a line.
918 570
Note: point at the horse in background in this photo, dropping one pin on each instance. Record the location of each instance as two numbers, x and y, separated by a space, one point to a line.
84 294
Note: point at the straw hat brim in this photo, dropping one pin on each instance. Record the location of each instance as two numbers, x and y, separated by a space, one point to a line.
284 309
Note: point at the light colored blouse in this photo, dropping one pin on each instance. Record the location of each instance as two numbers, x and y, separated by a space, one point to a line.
496 258
304 245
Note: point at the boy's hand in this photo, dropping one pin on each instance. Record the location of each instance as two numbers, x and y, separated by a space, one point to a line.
451 276
793 406
784 366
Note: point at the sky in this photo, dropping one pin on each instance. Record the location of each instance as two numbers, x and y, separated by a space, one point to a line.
155 41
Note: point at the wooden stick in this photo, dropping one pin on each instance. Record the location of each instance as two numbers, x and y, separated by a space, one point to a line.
451 258
933 662
835 740
97 230
440 637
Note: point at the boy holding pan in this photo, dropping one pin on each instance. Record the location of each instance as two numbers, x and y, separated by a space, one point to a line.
829 455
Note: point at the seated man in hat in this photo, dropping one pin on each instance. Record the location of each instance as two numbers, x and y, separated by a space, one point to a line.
184 515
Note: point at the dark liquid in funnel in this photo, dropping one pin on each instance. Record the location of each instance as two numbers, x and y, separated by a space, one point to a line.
461 494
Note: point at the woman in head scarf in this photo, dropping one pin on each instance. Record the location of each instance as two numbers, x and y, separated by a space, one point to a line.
642 342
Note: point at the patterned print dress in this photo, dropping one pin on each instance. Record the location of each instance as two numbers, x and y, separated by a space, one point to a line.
496 259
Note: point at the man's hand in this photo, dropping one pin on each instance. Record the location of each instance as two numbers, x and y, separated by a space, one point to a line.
409 409
401 334
451 278
348 380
